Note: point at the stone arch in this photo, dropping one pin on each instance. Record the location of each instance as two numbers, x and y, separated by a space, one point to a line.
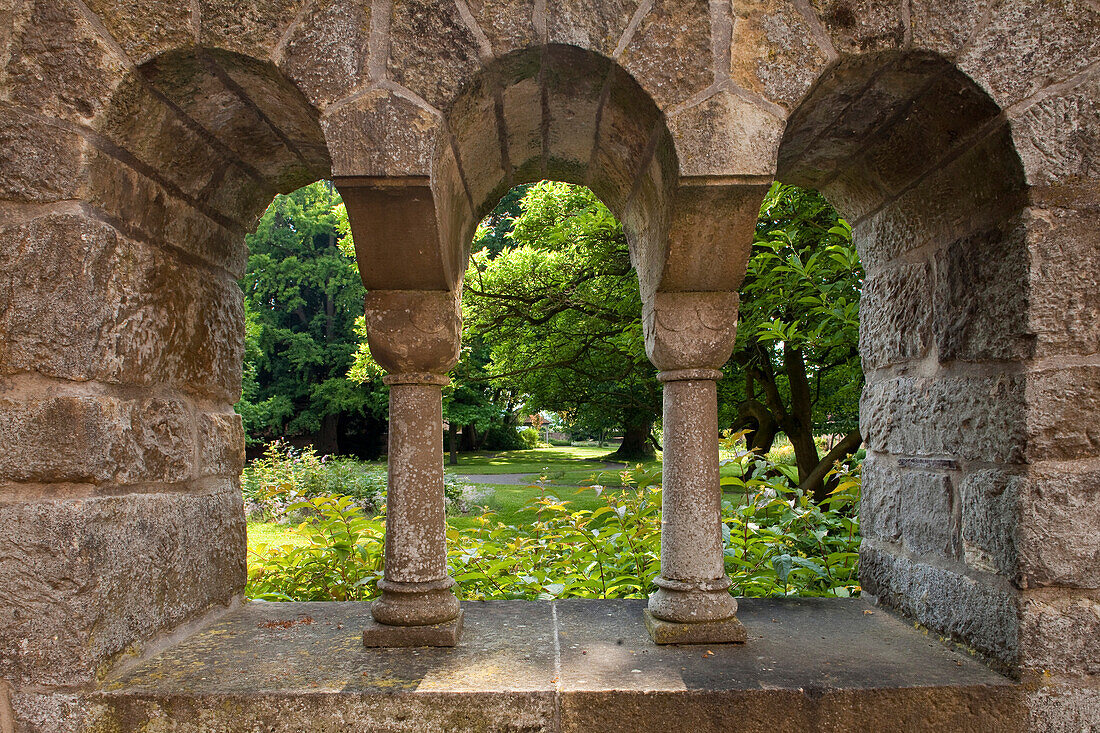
965 405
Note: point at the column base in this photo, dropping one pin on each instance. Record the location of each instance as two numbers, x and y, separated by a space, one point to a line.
725 631
415 604
385 635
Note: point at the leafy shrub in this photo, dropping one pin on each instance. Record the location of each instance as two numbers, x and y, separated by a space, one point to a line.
777 541
530 437
275 484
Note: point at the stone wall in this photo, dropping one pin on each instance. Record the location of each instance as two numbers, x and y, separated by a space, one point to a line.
139 141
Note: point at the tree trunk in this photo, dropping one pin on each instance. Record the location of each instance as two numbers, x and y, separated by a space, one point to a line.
815 482
452 442
761 424
327 437
636 443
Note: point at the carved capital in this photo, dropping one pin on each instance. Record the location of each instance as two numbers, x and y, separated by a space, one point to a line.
690 330
414 330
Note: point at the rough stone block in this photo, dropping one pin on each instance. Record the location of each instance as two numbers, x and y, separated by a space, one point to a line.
980 302
944 26
860 26
774 51
1029 44
1064 290
669 51
596 27
978 609
86 580
976 419
895 310
39 162
59 66
85 439
475 126
574 85
432 52
1058 137
434 635
980 188
1060 631
913 508
381 135
326 56
522 104
1064 705
1062 409
627 122
990 512
85 303
157 215
221 443
145 28
250 27
1059 513
507 24
726 135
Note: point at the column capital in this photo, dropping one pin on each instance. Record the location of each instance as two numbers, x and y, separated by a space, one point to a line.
689 331
414 334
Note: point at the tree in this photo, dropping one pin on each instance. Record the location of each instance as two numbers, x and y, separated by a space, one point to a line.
303 294
796 365
560 311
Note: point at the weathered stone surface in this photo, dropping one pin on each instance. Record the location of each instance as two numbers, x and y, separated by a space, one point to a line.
221 443
1058 137
626 123
1064 705
153 213
726 134
39 162
690 330
1030 44
774 52
507 24
1064 300
860 26
477 135
381 135
145 28
944 26
1062 409
326 55
895 315
1060 630
978 418
914 508
522 104
414 331
59 65
432 52
89 439
981 187
574 85
1058 515
980 302
157 135
990 513
201 85
85 303
726 631
88 579
979 609
586 25
251 27
445 634
669 52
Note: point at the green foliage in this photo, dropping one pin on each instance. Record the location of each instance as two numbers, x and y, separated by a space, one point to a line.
303 294
777 542
530 437
561 314
285 476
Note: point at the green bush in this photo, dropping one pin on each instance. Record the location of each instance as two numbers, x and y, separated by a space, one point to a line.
275 484
777 542
530 437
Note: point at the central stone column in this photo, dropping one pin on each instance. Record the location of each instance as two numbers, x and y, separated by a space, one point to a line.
688 337
414 335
